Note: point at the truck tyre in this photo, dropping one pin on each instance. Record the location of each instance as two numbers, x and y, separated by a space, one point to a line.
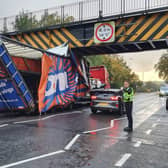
94 111
167 104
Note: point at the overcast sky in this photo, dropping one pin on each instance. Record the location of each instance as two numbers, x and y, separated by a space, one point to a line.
139 62
144 62
12 7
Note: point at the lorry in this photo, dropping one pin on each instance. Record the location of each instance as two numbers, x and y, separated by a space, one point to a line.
27 85
99 77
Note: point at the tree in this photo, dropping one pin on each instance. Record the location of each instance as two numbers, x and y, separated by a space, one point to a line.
117 68
162 66
50 19
25 21
54 19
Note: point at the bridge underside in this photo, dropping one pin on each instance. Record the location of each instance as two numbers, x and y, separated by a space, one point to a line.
133 33
124 47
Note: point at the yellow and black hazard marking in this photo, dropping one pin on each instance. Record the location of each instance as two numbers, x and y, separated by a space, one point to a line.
136 28
147 27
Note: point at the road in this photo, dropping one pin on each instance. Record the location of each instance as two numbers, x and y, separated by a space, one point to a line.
79 139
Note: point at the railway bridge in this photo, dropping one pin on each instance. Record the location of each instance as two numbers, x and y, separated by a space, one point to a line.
137 25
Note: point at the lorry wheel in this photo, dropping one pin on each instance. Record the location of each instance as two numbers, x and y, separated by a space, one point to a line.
167 104
94 111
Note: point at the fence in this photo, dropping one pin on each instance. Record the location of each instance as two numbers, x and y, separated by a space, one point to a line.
77 12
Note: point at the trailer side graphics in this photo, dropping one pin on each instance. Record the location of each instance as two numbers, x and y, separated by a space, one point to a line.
58 82
13 90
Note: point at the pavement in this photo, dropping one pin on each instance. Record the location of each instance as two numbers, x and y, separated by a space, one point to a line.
80 139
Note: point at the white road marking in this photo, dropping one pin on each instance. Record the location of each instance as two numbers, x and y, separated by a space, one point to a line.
140 112
123 118
45 118
148 132
76 112
112 123
158 120
137 144
111 137
4 125
32 159
68 146
123 159
154 125
27 121
101 129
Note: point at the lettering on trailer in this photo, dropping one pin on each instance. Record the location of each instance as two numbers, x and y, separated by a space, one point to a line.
59 80
9 95
104 32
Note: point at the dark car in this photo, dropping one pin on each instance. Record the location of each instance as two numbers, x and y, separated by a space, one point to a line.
167 103
107 100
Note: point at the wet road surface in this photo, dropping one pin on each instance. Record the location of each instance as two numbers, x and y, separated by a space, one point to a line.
79 139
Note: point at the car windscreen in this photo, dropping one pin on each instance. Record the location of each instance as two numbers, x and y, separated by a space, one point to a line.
164 89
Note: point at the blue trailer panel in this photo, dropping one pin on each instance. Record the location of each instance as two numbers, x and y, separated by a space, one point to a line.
14 93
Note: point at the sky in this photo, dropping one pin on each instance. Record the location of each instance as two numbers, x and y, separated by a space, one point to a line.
142 63
12 7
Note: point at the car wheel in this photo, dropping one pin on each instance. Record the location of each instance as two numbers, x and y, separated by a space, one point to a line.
94 111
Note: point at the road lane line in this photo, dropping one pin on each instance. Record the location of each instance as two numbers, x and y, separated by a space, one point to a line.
97 130
45 118
69 145
140 112
3 125
123 118
32 159
112 123
123 159
154 125
148 132
137 144
27 121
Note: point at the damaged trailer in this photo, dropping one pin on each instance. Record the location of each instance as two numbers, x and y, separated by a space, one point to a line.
33 79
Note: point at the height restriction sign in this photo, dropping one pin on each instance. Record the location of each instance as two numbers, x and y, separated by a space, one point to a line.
104 32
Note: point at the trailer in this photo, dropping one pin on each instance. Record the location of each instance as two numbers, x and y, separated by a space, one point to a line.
22 75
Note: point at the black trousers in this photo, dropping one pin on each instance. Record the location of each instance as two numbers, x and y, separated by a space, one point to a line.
128 107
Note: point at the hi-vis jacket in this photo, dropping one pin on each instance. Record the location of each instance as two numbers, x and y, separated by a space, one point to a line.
128 94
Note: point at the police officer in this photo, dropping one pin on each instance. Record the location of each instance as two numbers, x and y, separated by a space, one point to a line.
128 94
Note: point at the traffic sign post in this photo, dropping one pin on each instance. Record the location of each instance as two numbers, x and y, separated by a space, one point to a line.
104 32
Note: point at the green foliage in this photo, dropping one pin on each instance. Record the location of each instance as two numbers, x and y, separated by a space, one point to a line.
162 67
68 19
150 86
117 68
48 20
26 21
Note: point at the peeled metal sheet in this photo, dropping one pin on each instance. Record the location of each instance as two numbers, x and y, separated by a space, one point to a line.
14 93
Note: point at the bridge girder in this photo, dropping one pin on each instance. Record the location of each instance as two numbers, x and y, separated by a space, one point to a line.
133 33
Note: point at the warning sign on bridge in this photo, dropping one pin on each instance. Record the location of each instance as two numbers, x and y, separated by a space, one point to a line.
104 32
